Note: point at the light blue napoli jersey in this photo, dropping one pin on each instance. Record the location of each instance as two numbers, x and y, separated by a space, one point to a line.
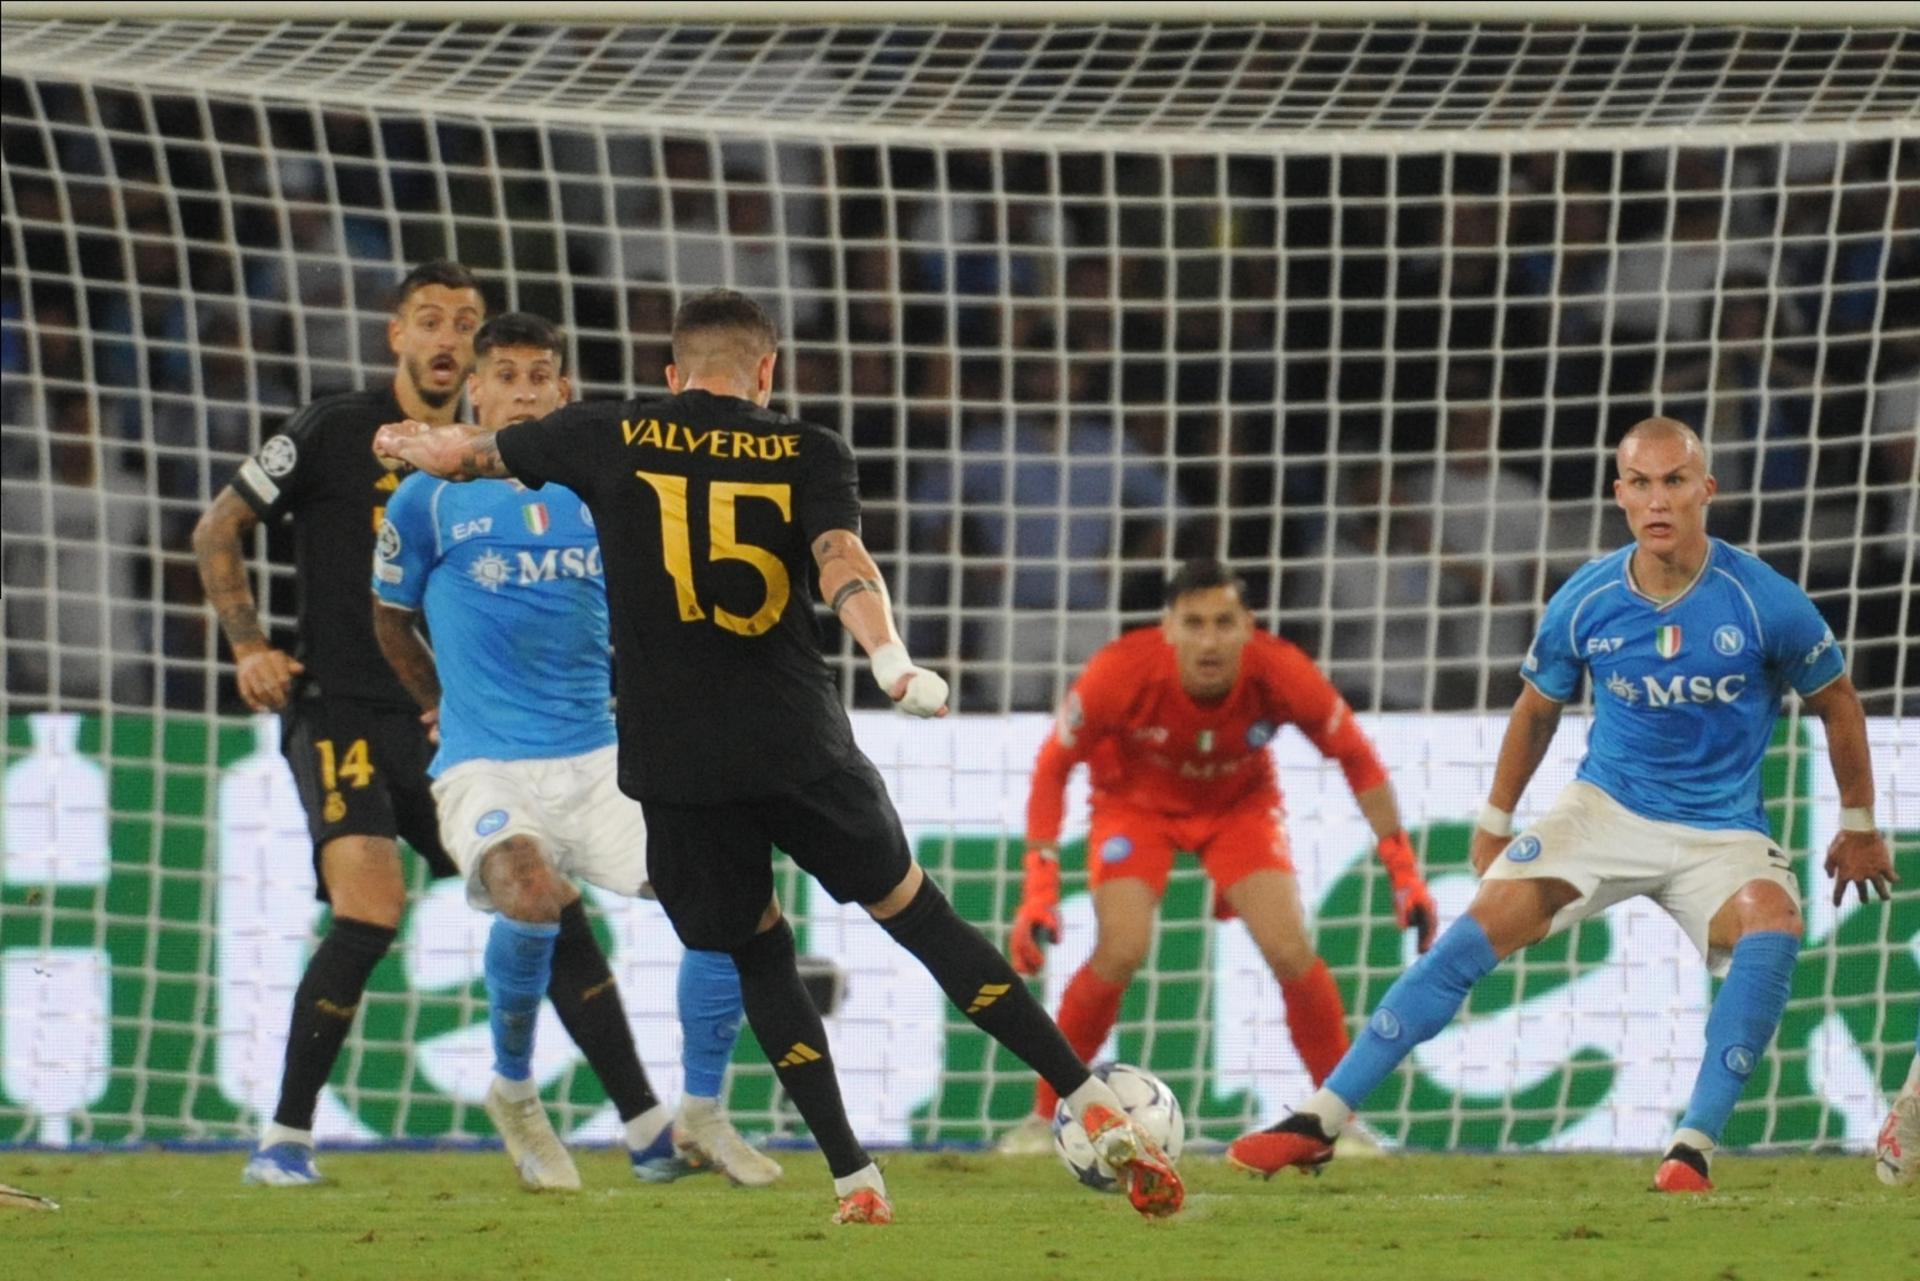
517 608
1685 694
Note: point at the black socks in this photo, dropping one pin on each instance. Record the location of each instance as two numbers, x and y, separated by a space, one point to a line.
323 1009
792 1036
588 1002
979 980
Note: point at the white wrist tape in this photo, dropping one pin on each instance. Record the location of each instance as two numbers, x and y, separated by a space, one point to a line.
1494 820
926 694
889 663
1857 818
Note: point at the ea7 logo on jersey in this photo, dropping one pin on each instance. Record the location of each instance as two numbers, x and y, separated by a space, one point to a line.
1604 644
468 528
1693 689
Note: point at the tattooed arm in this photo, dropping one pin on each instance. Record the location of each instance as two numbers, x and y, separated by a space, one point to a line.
851 584
459 451
265 674
407 653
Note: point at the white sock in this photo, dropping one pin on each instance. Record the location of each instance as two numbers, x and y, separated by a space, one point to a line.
1695 1140
278 1133
694 1109
1331 1109
642 1130
1093 1091
1913 1075
515 1091
867 1176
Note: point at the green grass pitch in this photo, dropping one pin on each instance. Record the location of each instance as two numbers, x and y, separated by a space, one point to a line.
129 1216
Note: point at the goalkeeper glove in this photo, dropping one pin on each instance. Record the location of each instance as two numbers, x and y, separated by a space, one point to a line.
1036 916
1413 906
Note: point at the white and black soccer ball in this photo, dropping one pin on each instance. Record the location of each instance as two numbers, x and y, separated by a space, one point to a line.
1146 1099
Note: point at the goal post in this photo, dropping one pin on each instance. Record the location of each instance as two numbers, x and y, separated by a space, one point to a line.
1357 297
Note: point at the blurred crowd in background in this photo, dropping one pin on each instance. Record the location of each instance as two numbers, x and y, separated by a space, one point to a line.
1384 387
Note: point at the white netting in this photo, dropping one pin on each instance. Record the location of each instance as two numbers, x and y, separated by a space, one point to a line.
1360 306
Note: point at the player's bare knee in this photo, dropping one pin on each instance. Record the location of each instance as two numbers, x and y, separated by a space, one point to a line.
1518 914
1117 958
1756 907
522 884
897 898
364 880
1291 960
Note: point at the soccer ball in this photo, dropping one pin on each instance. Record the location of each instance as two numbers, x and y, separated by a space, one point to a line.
1146 1099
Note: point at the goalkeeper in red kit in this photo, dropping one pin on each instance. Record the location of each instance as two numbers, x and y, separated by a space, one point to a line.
1173 722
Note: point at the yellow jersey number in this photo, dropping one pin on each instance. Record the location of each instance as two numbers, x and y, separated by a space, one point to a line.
722 544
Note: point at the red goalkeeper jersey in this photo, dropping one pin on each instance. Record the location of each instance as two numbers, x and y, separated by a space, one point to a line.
1150 746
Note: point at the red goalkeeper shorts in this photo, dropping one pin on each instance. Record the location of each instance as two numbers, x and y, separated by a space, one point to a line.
1133 844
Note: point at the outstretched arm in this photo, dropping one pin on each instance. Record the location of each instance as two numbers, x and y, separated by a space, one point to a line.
1859 854
1529 733
265 674
851 585
459 451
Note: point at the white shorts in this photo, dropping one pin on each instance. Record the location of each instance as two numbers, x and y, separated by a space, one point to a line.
1610 854
573 806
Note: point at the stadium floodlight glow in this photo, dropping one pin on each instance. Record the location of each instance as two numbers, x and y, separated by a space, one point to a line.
1355 295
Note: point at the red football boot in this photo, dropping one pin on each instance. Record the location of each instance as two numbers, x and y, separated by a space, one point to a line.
1153 1186
1684 1170
1299 1141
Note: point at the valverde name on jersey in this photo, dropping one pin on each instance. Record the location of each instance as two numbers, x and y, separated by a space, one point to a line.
716 442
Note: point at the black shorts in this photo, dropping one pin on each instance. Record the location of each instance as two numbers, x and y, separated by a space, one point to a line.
362 771
712 865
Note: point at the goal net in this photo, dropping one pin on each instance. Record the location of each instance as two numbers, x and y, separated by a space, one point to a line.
1358 304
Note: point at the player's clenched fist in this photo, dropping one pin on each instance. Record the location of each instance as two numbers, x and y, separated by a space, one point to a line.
1038 915
265 678
917 691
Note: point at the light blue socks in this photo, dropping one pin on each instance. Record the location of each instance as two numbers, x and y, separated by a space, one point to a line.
710 1015
1415 1008
1743 1020
519 964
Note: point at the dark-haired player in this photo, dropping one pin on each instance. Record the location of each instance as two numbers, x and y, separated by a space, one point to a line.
513 590
713 513
1173 722
351 733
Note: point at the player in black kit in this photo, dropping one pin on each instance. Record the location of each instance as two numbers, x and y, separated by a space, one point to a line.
351 734
713 512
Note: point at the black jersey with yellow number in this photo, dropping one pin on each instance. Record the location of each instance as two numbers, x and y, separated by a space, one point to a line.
707 508
320 470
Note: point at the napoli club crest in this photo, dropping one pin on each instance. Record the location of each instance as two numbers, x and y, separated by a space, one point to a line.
1524 850
1728 640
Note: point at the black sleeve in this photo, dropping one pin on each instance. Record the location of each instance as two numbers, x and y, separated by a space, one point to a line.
829 487
286 470
557 448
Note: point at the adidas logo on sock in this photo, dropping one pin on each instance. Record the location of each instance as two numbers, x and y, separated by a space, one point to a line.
988 994
800 1055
